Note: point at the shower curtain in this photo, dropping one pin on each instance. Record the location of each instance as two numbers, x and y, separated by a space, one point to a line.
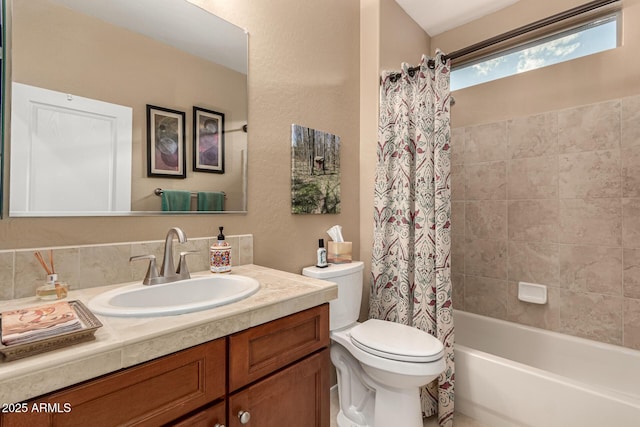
411 277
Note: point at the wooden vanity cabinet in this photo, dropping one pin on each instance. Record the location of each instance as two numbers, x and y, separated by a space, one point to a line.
150 394
259 351
215 415
277 372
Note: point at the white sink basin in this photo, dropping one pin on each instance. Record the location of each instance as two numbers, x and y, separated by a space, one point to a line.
185 296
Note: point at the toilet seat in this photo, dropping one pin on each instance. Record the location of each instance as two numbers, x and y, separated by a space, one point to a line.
396 341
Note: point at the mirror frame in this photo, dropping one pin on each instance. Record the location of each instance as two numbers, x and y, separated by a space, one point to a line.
3 98
5 111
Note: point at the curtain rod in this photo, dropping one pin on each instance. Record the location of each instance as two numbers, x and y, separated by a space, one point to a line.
578 10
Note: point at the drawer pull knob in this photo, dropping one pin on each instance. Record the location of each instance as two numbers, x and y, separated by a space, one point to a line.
218 425
244 417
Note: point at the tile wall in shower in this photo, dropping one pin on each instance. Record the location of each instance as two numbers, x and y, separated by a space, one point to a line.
552 198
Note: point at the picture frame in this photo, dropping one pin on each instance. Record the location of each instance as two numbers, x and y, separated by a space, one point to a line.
315 171
166 143
208 141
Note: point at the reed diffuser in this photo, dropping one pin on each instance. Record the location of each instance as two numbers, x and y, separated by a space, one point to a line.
52 289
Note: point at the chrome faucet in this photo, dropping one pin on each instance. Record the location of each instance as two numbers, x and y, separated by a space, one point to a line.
168 272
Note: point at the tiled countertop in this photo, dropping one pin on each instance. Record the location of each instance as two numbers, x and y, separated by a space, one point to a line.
124 342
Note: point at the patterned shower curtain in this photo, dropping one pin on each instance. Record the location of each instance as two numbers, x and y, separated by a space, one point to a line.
411 275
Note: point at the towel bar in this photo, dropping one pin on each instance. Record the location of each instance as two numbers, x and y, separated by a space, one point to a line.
158 192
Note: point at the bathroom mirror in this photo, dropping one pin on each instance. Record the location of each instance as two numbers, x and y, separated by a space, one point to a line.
167 55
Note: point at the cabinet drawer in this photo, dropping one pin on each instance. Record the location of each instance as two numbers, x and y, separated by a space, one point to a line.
205 418
151 394
264 349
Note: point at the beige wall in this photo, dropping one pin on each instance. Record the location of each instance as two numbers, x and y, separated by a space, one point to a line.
545 178
401 39
304 68
388 38
314 65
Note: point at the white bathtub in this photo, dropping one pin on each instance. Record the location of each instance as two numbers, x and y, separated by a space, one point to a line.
512 375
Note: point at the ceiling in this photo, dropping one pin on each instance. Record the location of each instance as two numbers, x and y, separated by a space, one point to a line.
438 16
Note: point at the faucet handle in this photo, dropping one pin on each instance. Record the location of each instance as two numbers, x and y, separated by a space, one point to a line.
183 270
152 271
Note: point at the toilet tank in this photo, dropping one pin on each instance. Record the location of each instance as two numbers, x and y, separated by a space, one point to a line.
344 310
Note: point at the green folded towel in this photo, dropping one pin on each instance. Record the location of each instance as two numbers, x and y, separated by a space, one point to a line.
176 200
210 201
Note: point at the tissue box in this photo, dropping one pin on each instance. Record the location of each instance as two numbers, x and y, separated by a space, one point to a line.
339 252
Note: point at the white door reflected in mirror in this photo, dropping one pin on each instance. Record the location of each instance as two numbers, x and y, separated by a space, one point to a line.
69 155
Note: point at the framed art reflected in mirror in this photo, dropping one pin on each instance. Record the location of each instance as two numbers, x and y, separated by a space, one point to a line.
165 142
208 141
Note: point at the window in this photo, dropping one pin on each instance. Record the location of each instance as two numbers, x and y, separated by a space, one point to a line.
595 36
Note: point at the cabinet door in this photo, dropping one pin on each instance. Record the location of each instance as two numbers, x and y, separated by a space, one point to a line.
150 394
296 396
208 417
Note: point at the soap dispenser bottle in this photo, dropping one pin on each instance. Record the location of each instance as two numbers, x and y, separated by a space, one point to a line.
220 255
322 255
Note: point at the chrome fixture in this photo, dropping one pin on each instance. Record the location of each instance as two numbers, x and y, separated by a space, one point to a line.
168 272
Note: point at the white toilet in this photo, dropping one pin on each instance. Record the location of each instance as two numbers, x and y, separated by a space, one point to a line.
380 365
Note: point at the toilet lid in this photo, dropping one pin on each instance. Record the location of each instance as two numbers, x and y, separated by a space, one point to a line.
396 341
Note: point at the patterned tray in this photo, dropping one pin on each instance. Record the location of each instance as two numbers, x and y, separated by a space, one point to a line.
87 333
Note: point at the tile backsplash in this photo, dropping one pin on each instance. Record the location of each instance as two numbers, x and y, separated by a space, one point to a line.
552 198
100 265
